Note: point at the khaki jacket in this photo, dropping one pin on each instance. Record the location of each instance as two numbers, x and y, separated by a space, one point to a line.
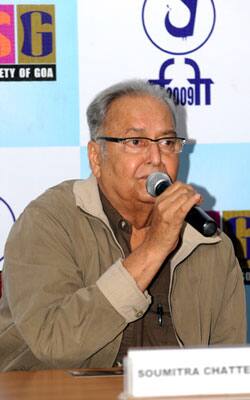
67 298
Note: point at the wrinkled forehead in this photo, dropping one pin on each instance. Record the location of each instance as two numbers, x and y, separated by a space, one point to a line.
139 109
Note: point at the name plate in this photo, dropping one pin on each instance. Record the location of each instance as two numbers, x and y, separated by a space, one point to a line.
187 372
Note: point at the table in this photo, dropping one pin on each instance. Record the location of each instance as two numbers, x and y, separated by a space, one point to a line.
62 385
58 384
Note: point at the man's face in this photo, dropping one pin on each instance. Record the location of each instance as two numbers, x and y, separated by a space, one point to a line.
121 174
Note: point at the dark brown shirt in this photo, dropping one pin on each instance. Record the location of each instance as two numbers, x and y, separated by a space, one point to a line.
155 328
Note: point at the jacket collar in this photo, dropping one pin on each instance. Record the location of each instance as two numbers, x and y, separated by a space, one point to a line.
88 199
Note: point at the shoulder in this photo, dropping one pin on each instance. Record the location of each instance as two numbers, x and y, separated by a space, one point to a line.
56 195
55 199
220 256
225 245
211 254
55 207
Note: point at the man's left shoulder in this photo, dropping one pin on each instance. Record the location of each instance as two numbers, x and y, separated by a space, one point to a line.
224 241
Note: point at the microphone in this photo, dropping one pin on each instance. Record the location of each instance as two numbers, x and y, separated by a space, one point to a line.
197 217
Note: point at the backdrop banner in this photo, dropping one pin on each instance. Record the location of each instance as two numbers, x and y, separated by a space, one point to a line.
56 55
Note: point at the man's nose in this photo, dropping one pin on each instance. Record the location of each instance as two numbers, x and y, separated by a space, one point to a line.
154 153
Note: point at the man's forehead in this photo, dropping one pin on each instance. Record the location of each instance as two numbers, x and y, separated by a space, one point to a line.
129 107
139 98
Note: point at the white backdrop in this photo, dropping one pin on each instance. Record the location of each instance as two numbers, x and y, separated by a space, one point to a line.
114 44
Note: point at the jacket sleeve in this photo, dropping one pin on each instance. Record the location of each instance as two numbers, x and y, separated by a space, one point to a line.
62 321
230 324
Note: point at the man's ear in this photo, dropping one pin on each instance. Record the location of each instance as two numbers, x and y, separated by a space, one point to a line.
94 155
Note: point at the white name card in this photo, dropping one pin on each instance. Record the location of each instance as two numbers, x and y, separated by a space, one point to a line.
187 372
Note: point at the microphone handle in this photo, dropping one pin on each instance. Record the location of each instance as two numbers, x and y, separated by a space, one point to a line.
201 221
196 217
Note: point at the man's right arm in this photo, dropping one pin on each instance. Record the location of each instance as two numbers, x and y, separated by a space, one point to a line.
62 319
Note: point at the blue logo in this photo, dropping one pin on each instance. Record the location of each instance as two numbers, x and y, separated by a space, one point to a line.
178 26
188 29
7 218
192 94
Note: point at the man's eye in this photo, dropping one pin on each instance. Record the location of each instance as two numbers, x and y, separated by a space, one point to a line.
168 142
135 142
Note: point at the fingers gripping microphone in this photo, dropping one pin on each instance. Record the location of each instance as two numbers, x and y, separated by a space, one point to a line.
158 182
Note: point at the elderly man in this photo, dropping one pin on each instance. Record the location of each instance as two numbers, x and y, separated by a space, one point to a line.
93 267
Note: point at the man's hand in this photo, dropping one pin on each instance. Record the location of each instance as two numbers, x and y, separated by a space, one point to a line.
162 235
168 215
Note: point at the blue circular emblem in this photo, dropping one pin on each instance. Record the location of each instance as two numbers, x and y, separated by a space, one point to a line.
178 26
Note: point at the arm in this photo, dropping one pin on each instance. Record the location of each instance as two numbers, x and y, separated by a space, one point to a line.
64 315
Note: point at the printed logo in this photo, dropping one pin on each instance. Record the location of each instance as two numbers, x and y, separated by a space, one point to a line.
237 225
27 43
7 218
198 90
178 26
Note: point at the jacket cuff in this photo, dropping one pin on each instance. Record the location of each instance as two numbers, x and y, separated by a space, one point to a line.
118 286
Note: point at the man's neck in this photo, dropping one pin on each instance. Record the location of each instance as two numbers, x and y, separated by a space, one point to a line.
136 213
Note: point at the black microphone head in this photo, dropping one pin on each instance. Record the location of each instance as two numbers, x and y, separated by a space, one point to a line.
157 182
